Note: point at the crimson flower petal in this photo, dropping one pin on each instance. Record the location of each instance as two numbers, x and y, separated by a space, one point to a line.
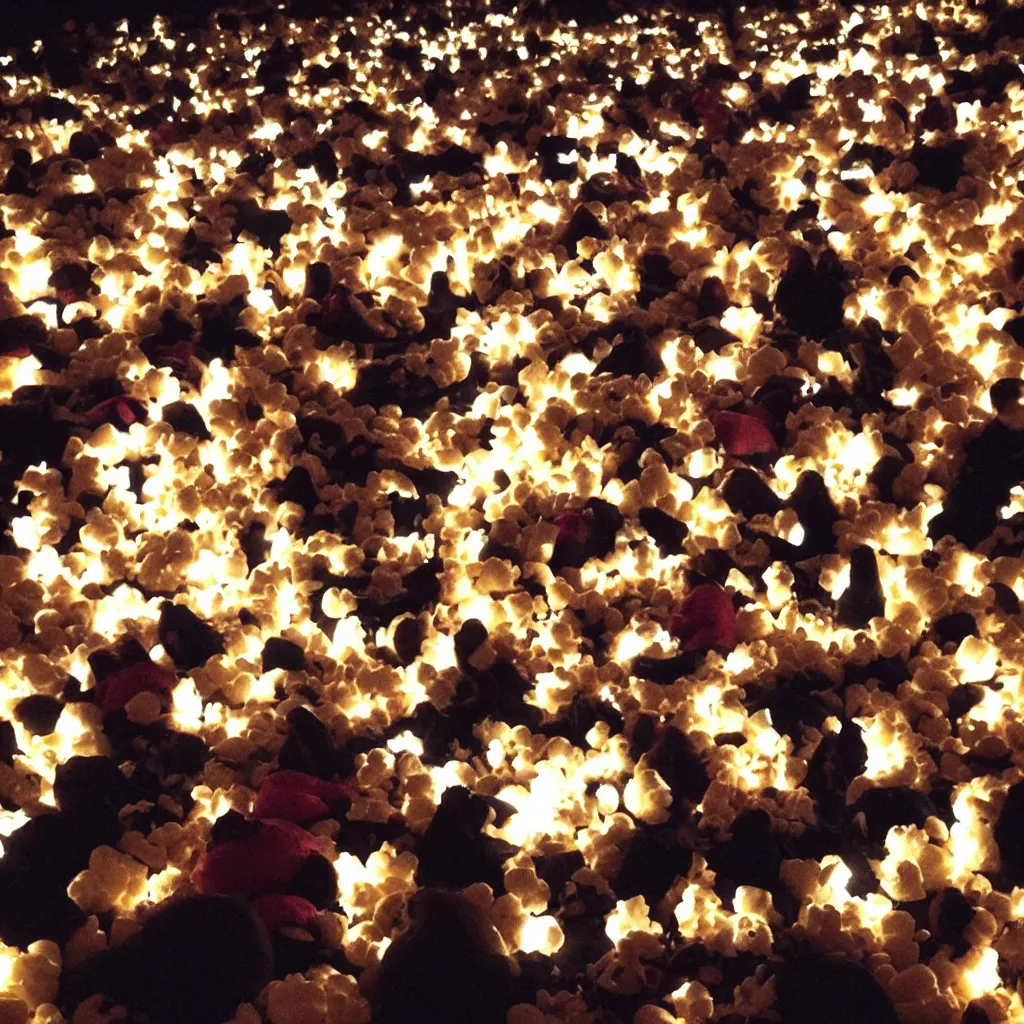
761 413
277 911
712 110
297 807
121 410
574 526
706 618
742 434
298 797
180 350
265 861
119 687
167 134
704 99
335 303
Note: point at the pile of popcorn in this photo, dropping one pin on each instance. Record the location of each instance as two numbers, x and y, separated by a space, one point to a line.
559 454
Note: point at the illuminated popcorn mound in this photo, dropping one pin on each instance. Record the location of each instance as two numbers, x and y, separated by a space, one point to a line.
579 468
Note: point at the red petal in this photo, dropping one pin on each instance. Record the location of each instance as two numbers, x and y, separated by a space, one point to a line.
167 133
706 618
716 123
265 861
711 109
297 807
121 409
742 434
295 796
98 413
180 350
278 911
335 303
125 413
119 687
761 413
704 99
573 526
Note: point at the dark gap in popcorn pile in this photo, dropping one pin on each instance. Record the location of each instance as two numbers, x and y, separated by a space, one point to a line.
513 514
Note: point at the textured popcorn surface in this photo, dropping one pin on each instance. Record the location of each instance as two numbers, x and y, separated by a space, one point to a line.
587 457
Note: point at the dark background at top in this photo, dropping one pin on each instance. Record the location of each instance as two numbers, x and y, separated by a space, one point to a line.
22 21
25 20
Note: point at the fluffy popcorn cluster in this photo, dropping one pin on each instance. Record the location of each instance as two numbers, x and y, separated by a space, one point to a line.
112 880
326 995
564 454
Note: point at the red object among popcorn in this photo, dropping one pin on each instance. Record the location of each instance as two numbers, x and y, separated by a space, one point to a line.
119 687
705 619
574 526
336 303
168 134
181 351
277 911
741 433
262 862
297 797
713 112
121 411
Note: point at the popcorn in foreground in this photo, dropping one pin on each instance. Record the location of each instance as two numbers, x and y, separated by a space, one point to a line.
387 381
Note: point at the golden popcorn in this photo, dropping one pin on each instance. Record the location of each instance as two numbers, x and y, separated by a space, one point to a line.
572 450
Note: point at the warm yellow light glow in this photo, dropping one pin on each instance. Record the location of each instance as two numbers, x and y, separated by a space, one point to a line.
364 469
